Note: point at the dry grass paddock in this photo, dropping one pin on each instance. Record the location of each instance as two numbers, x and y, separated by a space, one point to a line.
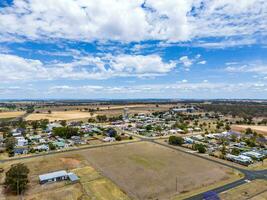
92 184
258 129
59 115
10 114
150 171
140 170
255 190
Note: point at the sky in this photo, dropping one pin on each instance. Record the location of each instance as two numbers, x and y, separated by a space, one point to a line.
119 49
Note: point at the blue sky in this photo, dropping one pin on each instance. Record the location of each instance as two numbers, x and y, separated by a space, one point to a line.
79 49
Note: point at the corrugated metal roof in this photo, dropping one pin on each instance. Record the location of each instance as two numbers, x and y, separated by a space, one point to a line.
52 175
73 177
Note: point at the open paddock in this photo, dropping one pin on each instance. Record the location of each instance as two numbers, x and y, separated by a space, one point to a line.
258 129
92 184
59 115
255 190
149 171
14 114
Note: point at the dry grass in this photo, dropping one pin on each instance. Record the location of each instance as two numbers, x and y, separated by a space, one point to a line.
254 190
104 189
92 185
259 129
142 170
10 114
95 186
148 171
59 115
68 192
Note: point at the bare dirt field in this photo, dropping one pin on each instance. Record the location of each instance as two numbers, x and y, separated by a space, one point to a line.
10 114
150 171
259 129
255 190
59 115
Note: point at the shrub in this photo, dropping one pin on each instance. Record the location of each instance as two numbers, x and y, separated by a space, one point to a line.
200 148
175 140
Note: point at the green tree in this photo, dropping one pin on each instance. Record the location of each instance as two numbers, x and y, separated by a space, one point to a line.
175 140
227 127
10 144
158 128
65 132
51 146
248 131
17 178
200 148
149 127
63 122
223 150
235 151
43 123
118 137
101 118
35 124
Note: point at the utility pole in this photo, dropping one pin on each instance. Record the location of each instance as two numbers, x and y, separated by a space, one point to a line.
176 184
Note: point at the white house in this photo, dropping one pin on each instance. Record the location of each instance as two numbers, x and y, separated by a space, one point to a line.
109 139
21 141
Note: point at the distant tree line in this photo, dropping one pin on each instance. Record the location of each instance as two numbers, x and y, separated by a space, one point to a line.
244 110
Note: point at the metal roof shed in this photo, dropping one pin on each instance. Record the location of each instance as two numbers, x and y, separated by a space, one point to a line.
54 176
73 177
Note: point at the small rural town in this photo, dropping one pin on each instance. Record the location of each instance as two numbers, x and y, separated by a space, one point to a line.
189 148
133 100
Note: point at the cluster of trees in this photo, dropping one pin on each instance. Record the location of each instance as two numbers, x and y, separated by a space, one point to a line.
181 125
175 140
104 118
17 178
30 109
201 148
10 144
39 124
244 110
66 132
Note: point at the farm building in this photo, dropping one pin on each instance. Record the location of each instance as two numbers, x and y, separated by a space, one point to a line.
57 176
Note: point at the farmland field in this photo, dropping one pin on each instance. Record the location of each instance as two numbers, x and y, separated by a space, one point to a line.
10 114
148 171
59 115
259 129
